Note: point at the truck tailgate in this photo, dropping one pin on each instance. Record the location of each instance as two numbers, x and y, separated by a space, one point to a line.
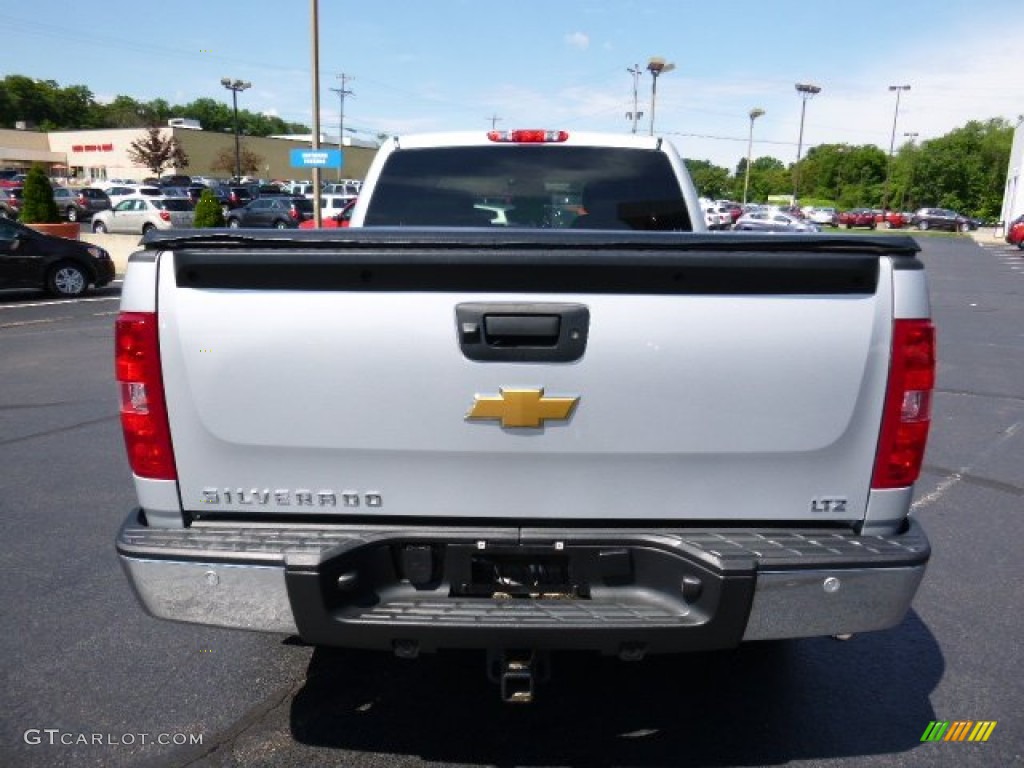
333 379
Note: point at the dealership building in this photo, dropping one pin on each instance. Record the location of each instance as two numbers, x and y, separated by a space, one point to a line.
1013 196
88 157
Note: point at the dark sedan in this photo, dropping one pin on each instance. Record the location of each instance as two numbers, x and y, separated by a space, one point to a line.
273 212
942 218
31 259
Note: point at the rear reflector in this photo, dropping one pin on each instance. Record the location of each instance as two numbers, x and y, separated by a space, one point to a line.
528 136
908 405
147 435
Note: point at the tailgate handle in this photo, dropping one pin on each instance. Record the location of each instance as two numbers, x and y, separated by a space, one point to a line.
541 332
521 330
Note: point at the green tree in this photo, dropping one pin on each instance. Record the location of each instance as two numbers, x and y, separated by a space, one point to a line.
712 181
208 211
156 153
249 161
38 205
965 169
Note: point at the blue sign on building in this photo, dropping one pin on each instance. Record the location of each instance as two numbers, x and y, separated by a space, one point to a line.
316 158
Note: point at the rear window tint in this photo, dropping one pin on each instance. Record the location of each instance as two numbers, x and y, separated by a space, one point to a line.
529 186
174 204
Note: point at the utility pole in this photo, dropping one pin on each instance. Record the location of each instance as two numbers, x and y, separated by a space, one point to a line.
494 121
342 93
635 115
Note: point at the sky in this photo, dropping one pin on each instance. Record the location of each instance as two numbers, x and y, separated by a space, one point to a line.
435 65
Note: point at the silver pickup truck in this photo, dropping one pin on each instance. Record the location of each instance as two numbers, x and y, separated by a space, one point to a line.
524 403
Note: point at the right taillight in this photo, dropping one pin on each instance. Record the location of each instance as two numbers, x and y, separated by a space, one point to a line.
147 434
908 405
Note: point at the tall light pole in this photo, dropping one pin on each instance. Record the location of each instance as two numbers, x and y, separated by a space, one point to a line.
235 86
657 66
806 91
892 143
636 114
342 93
755 113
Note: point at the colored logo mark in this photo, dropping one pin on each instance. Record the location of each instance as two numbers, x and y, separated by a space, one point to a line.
959 730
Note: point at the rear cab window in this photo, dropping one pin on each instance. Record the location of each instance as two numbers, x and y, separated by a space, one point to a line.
529 186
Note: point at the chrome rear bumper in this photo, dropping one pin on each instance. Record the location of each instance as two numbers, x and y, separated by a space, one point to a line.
656 589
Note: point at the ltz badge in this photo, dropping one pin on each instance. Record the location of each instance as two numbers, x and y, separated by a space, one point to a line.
521 408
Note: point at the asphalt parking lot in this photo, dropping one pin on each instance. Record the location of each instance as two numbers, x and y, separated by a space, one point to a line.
81 658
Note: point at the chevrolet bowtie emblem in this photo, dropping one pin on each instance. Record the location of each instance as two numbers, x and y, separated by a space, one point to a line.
522 407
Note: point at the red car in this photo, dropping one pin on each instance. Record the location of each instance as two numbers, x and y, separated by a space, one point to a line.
892 219
1015 232
858 217
10 202
340 219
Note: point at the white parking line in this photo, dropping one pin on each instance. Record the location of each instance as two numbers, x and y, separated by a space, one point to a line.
34 322
59 302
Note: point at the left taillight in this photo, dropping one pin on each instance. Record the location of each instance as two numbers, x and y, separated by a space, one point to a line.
147 434
165 215
908 405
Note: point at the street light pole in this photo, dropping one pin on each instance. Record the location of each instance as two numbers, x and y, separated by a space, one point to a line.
657 66
806 91
892 143
636 114
754 114
235 86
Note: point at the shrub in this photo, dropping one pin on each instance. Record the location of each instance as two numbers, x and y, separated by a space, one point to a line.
38 205
208 211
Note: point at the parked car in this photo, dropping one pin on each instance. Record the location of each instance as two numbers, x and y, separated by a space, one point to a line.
12 178
87 203
773 221
824 216
10 202
275 212
220 193
332 205
138 215
335 220
63 267
236 196
300 190
942 218
891 219
119 193
858 217
67 203
347 189
175 180
1015 232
